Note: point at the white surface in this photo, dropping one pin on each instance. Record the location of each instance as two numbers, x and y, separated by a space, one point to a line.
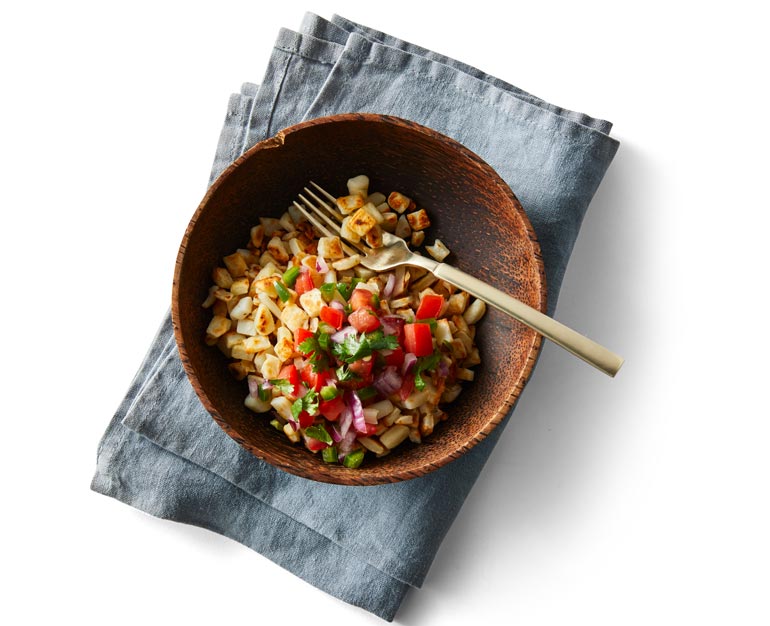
638 500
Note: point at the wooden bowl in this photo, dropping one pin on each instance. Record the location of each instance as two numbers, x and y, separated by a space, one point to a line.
472 210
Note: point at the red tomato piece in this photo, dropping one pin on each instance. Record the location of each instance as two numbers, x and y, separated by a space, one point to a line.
333 317
371 429
290 373
418 339
305 419
331 409
314 380
396 357
314 444
361 298
364 320
362 367
430 306
299 337
304 282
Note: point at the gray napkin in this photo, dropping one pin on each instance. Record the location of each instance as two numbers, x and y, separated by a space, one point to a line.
163 454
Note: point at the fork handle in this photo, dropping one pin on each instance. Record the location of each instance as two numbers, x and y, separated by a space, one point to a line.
572 341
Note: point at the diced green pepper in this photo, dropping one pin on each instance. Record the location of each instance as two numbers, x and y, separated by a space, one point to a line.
329 392
276 424
367 392
290 276
283 293
330 454
354 459
327 291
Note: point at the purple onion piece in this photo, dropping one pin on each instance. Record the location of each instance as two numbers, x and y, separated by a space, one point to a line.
320 265
354 402
388 290
409 360
341 335
388 381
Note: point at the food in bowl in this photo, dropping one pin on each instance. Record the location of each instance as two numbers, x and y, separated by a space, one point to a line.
345 359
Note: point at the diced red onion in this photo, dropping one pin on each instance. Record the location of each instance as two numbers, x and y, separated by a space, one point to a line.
392 324
341 335
346 444
388 381
320 265
389 285
443 369
254 383
346 419
409 360
336 304
336 434
354 402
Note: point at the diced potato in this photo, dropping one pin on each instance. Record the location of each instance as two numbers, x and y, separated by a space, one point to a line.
255 344
269 259
389 221
348 204
363 272
286 222
239 352
407 419
394 435
371 444
438 250
284 344
270 367
347 263
398 202
211 298
236 265
241 310
457 303
451 392
278 250
270 225
220 307
458 349
267 270
425 281
443 334
427 423
257 236
374 237
263 320
330 248
257 405
418 397
473 358
230 339
240 286
359 185
347 233
463 373
263 298
296 215
414 435
383 407
418 236
222 278
246 327
312 301
282 406
377 198
403 229
475 312
293 317
264 285
218 326
372 210
240 369
464 338
296 247
418 220
292 434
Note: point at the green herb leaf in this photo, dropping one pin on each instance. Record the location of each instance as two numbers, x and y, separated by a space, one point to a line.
367 392
344 374
423 365
308 402
356 347
309 346
320 433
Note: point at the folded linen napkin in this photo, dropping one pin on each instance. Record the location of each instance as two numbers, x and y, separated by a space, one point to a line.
163 454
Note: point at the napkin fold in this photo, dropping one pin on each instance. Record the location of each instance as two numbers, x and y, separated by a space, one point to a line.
162 453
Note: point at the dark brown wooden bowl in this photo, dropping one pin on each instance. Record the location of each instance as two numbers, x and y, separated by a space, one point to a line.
472 210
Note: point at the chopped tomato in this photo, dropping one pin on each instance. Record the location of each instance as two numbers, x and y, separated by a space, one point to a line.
304 282
364 320
290 373
333 317
362 367
314 380
299 337
361 298
430 306
305 419
331 409
417 339
371 429
396 357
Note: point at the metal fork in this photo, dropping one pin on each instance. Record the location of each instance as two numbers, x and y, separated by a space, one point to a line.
324 216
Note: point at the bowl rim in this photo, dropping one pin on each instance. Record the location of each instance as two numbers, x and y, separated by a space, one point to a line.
360 476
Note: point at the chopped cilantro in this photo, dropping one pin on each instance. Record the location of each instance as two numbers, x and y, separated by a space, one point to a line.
283 385
320 433
423 365
308 402
356 347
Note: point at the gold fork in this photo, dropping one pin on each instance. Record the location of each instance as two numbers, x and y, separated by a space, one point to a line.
324 216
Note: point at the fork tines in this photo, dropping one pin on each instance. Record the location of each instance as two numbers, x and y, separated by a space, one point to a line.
323 215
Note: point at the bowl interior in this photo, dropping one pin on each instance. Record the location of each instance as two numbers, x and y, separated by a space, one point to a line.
471 210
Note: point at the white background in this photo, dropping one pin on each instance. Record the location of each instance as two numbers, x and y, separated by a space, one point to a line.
638 500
